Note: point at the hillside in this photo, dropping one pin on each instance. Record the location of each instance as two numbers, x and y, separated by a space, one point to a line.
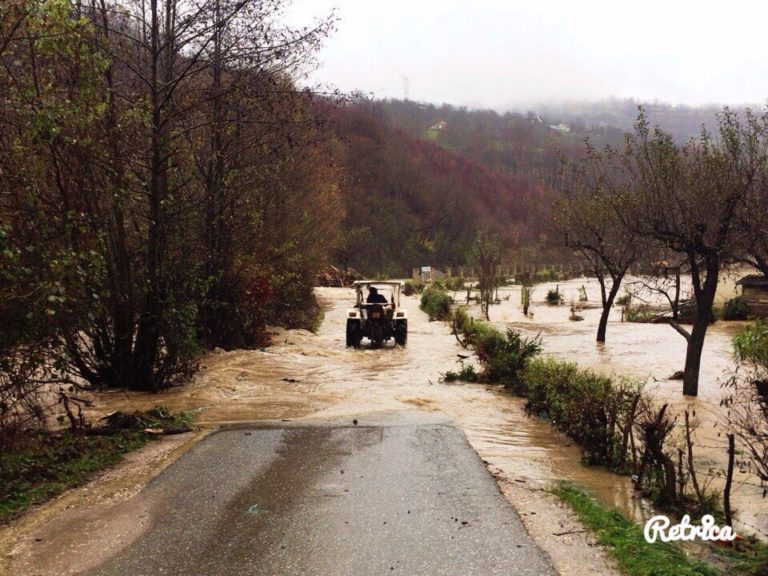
529 145
411 202
422 179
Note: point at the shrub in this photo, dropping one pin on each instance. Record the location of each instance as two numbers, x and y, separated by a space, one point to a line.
466 374
751 345
436 303
412 287
546 276
454 284
638 313
591 409
473 330
504 356
554 297
746 400
735 309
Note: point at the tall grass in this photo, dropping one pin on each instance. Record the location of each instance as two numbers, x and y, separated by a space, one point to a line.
625 540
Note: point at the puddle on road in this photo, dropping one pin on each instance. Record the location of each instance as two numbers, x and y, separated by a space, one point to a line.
331 381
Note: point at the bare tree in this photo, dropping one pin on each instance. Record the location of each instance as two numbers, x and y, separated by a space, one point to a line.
588 215
486 255
687 199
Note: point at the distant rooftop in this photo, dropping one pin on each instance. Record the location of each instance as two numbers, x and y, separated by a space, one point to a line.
442 125
754 281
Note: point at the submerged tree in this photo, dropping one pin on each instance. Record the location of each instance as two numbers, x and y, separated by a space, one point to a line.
687 199
589 216
486 255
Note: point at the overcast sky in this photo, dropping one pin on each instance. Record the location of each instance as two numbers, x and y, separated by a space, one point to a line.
501 54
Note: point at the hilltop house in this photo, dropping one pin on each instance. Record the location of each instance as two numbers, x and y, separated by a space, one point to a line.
564 128
754 290
442 125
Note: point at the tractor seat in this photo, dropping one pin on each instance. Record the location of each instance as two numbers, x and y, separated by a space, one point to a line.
374 311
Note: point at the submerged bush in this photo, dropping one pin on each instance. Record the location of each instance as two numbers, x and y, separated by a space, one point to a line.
473 330
735 309
412 287
454 284
639 313
504 356
466 374
436 303
594 410
554 298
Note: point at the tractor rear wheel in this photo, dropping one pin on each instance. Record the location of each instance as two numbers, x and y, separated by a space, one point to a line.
401 333
354 335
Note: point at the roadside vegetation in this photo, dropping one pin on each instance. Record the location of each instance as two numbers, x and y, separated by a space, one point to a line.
467 373
618 424
164 190
625 541
436 303
40 465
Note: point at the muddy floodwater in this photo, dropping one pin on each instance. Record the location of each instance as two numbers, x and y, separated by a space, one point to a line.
304 375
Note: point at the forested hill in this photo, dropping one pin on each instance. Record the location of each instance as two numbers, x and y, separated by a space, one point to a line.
529 143
411 202
423 179
517 144
681 121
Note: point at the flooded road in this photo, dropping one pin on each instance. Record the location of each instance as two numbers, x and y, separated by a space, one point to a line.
308 376
405 496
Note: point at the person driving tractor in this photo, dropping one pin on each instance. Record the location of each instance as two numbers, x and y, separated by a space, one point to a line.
374 297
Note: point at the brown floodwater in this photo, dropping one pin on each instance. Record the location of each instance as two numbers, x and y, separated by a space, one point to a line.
304 375
650 353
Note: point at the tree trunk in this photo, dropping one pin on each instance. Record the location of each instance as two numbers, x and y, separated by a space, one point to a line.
729 480
118 260
705 297
148 333
607 305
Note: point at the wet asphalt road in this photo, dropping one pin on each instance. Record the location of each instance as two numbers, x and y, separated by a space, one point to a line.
404 498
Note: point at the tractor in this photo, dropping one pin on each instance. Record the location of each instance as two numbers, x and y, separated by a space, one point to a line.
377 314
